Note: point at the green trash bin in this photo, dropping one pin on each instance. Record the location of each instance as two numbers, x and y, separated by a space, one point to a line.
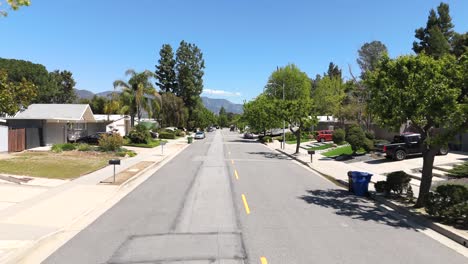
189 139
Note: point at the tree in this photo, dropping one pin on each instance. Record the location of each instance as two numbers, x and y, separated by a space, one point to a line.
166 77
369 56
189 69
63 92
436 37
427 92
459 44
173 111
297 108
14 96
14 5
329 95
202 117
137 93
333 71
222 117
260 114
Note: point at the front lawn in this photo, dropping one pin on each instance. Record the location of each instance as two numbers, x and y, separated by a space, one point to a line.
341 151
151 144
295 141
64 165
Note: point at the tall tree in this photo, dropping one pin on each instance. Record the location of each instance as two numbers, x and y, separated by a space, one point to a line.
297 108
333 71
14 5
369 56
436 37
222 117
166 77
137 93
329 95
14 95
260 114
64 92
428 93
173 111
189 69
459 44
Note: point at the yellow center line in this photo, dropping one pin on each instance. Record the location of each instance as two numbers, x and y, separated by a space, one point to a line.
237 175
247 209
263 260
232 162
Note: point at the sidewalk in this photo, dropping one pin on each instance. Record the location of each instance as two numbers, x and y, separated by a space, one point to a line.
41 211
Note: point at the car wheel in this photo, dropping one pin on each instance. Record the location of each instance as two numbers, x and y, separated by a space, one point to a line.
322 140
399 155
443 151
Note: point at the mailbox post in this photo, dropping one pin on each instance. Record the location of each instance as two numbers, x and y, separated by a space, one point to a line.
311 153
114 162
162 147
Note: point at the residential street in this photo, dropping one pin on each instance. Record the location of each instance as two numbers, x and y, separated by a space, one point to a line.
229 200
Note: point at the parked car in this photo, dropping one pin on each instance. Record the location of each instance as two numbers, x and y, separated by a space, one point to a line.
91 139
200 135
324 135
211 129
248 135
404 145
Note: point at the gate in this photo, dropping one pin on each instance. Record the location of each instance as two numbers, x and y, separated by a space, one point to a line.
16 140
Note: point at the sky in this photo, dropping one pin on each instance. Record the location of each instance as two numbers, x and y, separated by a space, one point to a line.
243 41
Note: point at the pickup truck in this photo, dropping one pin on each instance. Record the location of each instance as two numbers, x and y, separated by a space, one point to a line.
404 145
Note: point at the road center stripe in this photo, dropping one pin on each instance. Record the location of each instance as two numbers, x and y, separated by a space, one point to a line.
263 260
247 209
236 174
232 162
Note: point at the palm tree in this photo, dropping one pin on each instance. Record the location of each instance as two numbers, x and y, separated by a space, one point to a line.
137 94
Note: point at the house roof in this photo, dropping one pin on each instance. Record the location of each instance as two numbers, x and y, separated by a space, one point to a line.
65 112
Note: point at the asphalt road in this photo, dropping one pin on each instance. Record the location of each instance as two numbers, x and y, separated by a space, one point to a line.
227 200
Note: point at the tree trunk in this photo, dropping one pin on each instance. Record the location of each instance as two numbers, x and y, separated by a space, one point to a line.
426 178
298 139
132 120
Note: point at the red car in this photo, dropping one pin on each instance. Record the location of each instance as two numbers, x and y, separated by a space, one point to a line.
324 135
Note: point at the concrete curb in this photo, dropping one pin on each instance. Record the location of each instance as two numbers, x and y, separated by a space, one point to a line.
18 256
403 211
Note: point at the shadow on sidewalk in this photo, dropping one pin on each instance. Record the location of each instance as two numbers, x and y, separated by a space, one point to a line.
244 141
271 155
352 206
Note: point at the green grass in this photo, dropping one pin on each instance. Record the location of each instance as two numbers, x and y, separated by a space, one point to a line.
65 165
295 141
339 151
326 146
151 144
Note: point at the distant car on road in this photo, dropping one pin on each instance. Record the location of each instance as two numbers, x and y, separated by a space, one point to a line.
324 135
211 129
248 135
200 135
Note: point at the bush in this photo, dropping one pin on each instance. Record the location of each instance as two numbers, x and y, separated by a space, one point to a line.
339 136
167 135
266 139
289 136
180 133
83 147
139 134
63 147
369 135
459 171
380 186
111 142
368 145
449 201
398 182
356 138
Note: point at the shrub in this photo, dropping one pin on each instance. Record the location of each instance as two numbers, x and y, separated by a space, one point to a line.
266 139
112 142
368 145
289 136
356 138
180 133
83 147
449 201
140 134
339 136
398 182
459 171
147 125
167 135
63 147
380 186
370 135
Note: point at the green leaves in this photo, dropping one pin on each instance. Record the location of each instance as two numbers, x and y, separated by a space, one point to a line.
15 5
13 95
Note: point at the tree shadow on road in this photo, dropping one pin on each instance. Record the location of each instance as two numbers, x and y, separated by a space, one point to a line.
354 207
270 155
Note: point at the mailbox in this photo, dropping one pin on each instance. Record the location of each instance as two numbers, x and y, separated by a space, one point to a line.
114 162
311 152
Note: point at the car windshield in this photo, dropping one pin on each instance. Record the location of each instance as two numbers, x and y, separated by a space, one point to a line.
199 133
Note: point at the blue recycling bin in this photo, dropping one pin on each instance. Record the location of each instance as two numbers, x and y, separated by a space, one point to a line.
360 182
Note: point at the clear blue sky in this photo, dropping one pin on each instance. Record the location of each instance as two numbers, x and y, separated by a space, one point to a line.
243 40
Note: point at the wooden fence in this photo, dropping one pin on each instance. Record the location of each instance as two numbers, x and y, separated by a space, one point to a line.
16 140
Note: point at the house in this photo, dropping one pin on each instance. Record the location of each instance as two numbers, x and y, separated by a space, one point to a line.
116 123
48 124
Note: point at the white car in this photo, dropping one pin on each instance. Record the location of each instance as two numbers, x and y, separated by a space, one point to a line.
200 135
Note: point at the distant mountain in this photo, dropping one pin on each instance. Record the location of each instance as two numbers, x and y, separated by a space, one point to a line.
214 105
84 94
